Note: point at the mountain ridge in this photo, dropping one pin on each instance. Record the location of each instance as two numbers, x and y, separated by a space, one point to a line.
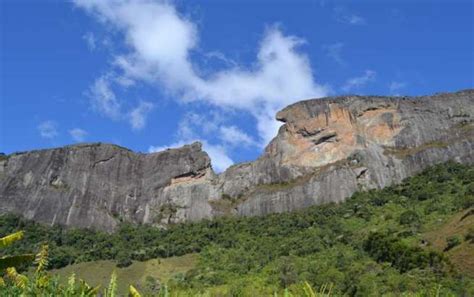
326 150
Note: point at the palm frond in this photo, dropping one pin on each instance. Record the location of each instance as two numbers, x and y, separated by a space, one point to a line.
71 284
9 239
132 292
41 259
88 291
15 261
308 290
18 279
112 288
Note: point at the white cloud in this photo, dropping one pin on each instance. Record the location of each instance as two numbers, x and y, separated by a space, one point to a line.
334 51
199 126
221 57
124 81
48 129
219 158
160 41
103 98
138 115
396 86
78 135
343 15
90 40
235 137
159 44
196 127
360 81
105 102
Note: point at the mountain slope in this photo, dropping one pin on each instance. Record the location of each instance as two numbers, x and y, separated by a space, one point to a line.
391 241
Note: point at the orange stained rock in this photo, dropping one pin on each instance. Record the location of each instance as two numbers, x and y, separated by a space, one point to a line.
306 145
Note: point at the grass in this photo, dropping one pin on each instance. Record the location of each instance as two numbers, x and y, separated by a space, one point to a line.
461 256
99 272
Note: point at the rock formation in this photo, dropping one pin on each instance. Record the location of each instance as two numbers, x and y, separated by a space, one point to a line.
326 150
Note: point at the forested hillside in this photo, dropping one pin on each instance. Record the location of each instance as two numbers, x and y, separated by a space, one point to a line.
416 237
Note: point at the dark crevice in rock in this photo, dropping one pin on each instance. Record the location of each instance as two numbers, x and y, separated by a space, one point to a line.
361 172
304 132
193 174
102 161
362 112
325 138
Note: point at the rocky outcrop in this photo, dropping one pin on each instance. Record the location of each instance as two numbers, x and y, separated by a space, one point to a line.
326 150
99 185
330 148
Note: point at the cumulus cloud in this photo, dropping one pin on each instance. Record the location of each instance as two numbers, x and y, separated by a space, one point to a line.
235 137
139 114
159 45
360 81
48 129
160 40
105 102
78 134
103 98
219 157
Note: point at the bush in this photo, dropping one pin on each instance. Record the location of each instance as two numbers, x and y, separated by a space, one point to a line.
409 217
387 248
287 273
453 241
123 259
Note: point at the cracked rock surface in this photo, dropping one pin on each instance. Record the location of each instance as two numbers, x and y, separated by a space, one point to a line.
326 150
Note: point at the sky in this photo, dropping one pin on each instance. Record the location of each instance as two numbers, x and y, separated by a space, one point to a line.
149 75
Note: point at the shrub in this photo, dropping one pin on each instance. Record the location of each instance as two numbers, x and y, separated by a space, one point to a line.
123 259
287 273
387 248
409 217
453 241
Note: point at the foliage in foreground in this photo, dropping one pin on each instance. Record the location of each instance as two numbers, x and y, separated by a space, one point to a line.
370 245
40 283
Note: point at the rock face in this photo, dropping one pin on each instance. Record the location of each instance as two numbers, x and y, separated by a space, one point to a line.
326 150
98 185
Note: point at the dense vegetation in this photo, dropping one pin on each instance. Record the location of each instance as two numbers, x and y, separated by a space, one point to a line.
372 244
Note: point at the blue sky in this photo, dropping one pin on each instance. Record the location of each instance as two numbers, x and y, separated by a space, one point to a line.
151 74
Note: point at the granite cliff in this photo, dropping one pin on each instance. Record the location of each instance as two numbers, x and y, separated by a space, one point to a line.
326 150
